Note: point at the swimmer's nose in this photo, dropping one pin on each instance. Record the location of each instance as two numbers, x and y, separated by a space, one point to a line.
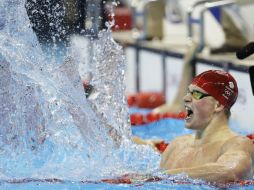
187 97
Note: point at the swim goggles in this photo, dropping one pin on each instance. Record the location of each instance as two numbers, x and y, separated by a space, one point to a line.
197 95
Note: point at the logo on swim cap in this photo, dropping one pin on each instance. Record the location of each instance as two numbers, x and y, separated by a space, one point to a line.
220 84
231 85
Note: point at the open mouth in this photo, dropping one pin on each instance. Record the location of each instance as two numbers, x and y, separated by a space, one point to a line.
189 113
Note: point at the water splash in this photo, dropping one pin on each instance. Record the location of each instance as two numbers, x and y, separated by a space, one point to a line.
47 127
43 123
111 22
108 78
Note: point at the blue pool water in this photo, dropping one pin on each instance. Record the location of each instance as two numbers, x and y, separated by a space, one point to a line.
166 129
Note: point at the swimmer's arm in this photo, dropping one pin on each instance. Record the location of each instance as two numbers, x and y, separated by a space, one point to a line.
150 142
231 166
138 140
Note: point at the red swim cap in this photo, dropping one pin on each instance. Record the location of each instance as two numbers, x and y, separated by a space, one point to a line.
220 84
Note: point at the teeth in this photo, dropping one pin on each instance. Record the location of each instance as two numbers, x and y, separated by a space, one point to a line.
189 112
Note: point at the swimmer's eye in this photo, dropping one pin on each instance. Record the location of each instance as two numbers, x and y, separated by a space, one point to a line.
197 95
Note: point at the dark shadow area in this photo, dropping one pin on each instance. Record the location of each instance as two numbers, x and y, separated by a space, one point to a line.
55 20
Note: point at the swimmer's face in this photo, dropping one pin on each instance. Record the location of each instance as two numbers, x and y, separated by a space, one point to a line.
200 108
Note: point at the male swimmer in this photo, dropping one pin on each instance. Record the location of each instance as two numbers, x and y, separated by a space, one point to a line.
214 152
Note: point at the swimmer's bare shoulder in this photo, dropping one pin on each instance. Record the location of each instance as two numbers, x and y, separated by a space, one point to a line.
182 140
178 144
240 143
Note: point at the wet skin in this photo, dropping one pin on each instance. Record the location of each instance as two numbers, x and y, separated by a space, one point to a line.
214 153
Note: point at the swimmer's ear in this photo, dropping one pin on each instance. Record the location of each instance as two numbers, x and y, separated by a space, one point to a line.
218 107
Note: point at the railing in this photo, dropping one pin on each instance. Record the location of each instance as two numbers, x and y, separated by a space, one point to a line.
206 5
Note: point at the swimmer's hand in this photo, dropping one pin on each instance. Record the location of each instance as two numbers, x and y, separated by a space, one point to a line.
151 142
88 88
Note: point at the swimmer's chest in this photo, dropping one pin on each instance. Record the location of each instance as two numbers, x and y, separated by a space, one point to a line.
187 155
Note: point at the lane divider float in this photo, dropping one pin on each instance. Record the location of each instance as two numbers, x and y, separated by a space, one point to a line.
138 119
147 100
